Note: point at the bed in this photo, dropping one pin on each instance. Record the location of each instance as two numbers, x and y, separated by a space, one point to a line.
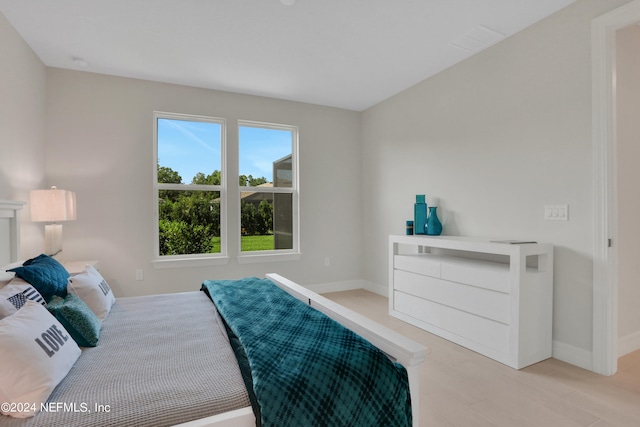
175 360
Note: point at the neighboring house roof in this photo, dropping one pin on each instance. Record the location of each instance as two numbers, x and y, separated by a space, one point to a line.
255 196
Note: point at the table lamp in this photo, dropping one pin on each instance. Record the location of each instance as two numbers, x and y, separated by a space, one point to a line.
52 205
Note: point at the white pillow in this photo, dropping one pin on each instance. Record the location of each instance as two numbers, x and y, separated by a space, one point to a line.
93 290
7 276
36 354
14 295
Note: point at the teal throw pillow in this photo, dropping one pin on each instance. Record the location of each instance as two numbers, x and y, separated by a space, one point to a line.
77 318
45 274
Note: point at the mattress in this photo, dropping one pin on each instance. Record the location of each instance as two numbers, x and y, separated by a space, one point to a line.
161 360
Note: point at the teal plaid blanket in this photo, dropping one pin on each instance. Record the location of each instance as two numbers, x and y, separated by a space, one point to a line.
307 369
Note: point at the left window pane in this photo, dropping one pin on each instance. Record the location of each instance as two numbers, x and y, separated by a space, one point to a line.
189 185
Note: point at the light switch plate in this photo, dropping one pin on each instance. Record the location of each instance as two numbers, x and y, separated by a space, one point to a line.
556 212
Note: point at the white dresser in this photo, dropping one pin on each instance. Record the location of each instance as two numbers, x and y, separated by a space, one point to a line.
493 298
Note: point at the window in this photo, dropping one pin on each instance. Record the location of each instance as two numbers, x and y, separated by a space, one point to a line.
268 188
189 187
192 183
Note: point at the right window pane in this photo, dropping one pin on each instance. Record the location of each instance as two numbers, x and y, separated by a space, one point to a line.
267 187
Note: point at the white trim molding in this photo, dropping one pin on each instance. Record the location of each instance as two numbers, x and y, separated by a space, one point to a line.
9 211
349 285
346 285
605 289
573 355
376 288
628 343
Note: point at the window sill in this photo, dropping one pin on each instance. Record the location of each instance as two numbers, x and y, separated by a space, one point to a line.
189 262
248 258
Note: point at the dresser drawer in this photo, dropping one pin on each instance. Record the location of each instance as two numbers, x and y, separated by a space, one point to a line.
485 332
484 274
425 264
488 275
479 301
421 309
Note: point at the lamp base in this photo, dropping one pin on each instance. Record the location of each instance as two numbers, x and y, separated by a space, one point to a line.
52 239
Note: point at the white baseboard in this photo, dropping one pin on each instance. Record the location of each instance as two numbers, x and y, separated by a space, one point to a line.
573 355
346 285
628 343
349 285
376 288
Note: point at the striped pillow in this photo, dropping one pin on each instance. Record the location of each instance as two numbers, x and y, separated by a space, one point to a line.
15 294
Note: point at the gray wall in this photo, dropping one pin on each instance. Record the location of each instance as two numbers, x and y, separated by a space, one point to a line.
92 134
100 145
496 138
22 119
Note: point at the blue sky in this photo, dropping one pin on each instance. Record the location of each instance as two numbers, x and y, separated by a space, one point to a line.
259 148
189 147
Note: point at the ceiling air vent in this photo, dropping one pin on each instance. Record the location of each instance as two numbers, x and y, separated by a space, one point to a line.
477 39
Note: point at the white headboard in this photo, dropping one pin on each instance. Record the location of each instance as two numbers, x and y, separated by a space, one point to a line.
10 230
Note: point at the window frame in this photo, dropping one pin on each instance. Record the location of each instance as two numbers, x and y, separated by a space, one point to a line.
294 190
191 260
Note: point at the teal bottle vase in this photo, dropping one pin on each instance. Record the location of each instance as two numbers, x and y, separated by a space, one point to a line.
434 226
420 215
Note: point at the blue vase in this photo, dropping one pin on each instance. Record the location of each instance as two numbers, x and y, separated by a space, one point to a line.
420 215
434 226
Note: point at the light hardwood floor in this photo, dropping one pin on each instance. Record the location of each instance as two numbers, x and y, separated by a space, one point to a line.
459 387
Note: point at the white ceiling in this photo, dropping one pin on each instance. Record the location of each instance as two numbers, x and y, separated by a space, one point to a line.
342 53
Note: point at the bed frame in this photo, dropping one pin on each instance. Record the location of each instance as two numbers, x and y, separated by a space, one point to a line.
408 353
10 230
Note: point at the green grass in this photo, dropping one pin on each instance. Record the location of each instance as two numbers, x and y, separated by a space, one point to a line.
215 241
250 243
257 243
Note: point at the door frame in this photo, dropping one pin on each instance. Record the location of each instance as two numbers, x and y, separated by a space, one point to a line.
605 280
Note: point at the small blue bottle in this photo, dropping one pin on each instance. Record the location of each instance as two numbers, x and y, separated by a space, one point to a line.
420 215
434 226
409 229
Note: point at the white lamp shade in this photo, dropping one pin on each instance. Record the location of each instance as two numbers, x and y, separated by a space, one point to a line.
52 205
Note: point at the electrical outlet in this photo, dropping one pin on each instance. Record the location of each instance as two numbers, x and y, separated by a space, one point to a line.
556 212
139 274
